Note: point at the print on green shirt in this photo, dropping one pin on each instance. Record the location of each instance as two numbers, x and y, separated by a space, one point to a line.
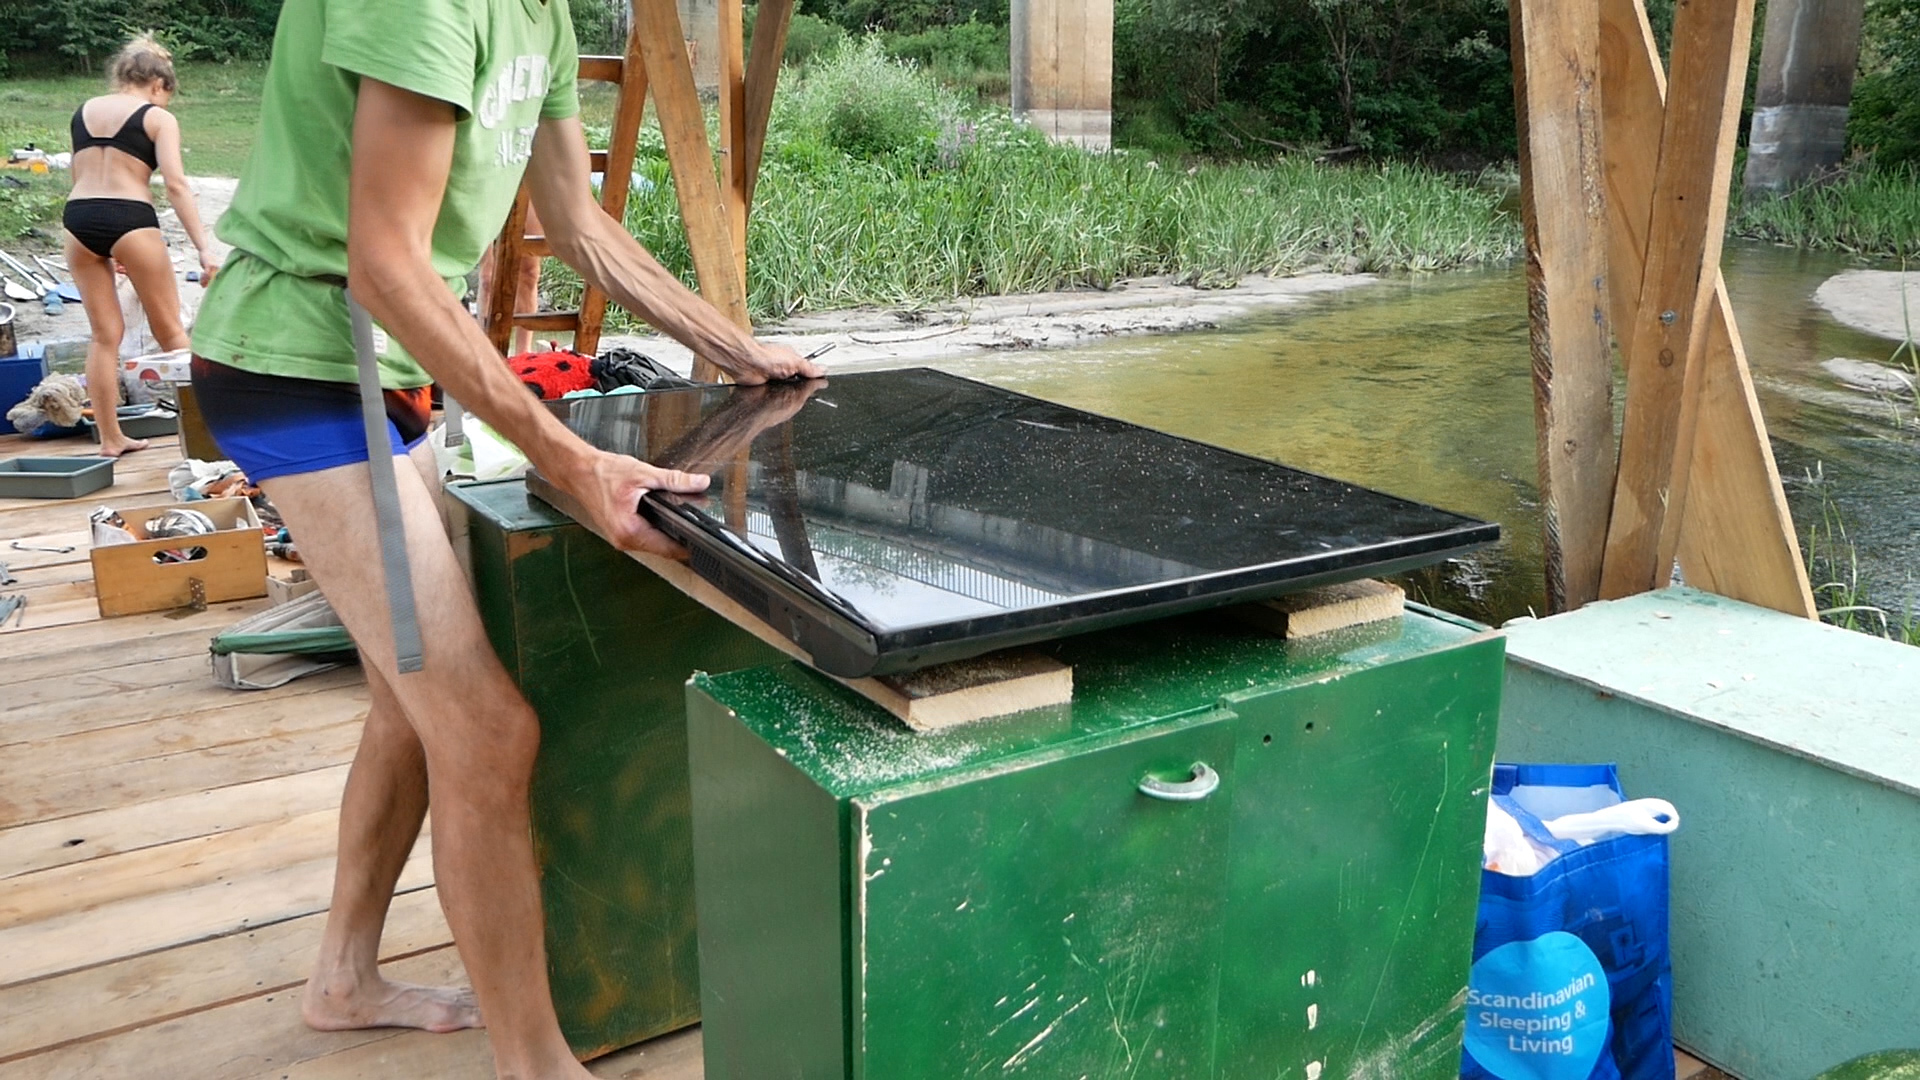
504 65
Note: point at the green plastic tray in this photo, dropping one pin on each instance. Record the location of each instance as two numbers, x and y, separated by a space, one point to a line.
54 478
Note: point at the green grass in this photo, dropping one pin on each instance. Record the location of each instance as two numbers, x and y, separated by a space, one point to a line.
218 106
1867 212
1833 568
854 208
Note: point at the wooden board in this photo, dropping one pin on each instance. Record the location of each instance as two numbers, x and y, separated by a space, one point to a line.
965 691
1736 536
178 774
616 180
770 24
733 132
25 849
684 129
261 1036
1664 345
1563 207
159 920
1325 609
153 987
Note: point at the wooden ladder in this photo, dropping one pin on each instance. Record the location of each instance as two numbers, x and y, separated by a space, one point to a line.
715 217
615 166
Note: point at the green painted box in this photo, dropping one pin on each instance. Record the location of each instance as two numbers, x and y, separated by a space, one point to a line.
602 648
1004 899
1792 751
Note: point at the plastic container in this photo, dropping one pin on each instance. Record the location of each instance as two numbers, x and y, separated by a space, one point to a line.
18 376
54 478
141 422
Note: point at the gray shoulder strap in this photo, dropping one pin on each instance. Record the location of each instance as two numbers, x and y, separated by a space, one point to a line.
386 495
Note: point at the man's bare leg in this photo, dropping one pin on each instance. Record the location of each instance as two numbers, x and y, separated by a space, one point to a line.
380 816
478 738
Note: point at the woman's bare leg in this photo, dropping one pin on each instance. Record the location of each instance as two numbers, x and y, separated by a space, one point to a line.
94 277
143 252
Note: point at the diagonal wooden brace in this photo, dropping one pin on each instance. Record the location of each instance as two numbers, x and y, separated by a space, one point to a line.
1664 344
1736 535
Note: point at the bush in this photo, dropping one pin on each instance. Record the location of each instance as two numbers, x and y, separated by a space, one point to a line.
810 37
1885 121
868 105
81 34
597 26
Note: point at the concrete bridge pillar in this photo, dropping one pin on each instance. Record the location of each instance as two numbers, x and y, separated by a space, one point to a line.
1807 61
1063 69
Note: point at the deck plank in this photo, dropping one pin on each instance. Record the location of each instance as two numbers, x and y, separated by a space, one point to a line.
260 1036
51 798
116 830
183 864
130 736
76 940
162 985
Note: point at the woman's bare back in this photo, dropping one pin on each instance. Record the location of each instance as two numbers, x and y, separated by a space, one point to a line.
104 172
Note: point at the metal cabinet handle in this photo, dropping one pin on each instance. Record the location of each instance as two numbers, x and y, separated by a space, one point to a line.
1204 782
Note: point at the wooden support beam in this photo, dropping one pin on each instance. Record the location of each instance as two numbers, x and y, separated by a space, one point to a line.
677 105
601 68
506 278
733 132
1563 200
615 165
1736 536
763 77
1664 345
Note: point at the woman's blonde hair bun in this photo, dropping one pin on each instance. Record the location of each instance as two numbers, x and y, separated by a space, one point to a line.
142 61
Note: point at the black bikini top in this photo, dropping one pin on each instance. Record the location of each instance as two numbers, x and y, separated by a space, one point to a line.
131 139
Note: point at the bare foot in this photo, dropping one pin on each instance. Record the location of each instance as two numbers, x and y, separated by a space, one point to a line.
115 447
344 1006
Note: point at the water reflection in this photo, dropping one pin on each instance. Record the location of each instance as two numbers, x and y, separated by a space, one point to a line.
1421 387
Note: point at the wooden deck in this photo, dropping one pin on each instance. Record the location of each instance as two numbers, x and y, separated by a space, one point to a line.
166 846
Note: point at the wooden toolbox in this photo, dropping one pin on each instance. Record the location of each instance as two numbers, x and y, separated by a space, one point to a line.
134 578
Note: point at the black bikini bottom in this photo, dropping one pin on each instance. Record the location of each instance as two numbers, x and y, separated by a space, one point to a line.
100 223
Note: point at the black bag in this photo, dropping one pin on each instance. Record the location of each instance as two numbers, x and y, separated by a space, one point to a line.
624 367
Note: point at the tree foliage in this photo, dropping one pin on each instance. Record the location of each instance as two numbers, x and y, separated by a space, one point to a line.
1380 76
1886 97
81 34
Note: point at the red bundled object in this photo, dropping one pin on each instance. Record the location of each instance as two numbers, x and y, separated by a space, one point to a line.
552 375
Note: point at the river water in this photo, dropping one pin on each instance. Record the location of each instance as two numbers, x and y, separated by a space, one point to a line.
1420 386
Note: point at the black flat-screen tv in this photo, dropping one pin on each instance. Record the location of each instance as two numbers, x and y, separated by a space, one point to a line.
886 521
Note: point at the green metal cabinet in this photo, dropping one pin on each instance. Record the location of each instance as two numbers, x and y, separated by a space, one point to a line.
602 648
1003 899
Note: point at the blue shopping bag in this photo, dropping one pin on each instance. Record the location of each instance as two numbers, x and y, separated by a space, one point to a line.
1571 978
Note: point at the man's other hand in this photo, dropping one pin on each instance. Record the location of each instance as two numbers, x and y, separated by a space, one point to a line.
769 363
611 492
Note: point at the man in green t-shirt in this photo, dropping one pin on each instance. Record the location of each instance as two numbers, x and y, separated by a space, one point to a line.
393 136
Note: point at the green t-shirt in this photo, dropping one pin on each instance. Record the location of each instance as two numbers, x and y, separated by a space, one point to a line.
504 65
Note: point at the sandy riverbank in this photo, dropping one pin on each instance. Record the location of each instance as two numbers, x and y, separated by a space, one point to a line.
869 337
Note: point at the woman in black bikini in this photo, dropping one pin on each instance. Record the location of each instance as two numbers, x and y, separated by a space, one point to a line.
110 218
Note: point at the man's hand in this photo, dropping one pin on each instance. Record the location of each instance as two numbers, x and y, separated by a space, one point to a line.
610 494
770 363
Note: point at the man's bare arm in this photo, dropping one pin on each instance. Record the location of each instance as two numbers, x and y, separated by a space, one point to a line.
402 156
601 249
